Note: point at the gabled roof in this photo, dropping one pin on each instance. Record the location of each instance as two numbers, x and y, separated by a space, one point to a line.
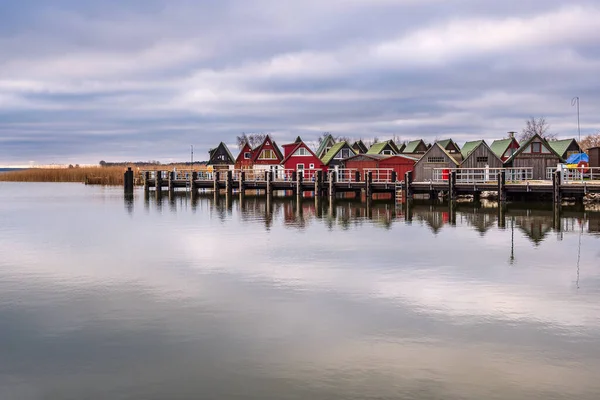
468 147
450 156
328 140
381 156
246 148
561 146
412 146
480 143
334 150
377 148
444 143
499 147
257 151
527 142
211 151
296 147
359 143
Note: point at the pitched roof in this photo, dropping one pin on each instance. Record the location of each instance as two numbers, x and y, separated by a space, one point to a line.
323 145
412 146
444 143
296 147
479 143
499 147
211 151
361 146
452 157
527 142
257 151
561 146
334 150
381 156
378 147
468 147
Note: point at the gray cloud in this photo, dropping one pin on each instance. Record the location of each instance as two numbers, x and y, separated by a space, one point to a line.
81 82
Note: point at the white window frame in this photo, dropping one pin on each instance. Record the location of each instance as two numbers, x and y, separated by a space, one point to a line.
247 155
311 166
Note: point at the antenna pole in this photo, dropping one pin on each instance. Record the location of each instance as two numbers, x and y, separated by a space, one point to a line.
575 101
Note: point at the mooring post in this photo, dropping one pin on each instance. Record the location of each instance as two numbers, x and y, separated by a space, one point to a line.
408 190
242 183
357 176
452 188
452 212
556 195
332 180
369 183
216 182
193 185
318 183
502 215
158 183
229 183
146 181
299 180
502 187
171 182
269 179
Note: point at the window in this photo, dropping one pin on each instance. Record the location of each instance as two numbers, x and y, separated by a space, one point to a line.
435 159
267 154
302 152
247 155
482 159
536 147
343 153
388 152
311 166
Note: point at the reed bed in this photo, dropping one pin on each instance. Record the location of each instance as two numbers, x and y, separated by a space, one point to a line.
88 175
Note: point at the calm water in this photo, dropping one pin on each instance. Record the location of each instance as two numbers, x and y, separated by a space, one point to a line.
102 298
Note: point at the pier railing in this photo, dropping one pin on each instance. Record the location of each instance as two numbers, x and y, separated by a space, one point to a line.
482 175
346 175
581 174
380 175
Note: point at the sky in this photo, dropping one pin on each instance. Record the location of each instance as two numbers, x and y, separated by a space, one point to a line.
133 80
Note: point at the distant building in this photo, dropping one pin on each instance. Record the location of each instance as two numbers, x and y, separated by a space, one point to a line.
335 156
220 157
387 148
537 154
401 163
359 147
565 148
326 144
478 154
299 157
415 147
436 157
504 148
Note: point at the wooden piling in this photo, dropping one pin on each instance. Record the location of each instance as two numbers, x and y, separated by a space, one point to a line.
193 185
408 178
368 183
158 183
269 179
299 180
318 183
146 181
171 182
216 182
229 183
502 186
332 180
556 195
452 186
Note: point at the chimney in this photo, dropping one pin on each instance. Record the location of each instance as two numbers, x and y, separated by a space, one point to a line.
511 134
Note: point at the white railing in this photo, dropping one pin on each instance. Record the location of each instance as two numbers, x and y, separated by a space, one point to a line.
482 175
283 175
205 175
309 174
580 174
550 172
380 175
346 175
255 175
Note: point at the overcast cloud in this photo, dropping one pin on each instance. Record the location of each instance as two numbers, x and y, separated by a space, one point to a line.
145 79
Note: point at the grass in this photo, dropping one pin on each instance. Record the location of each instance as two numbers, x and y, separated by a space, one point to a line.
89 175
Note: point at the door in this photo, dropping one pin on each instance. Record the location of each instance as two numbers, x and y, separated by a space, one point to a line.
300 169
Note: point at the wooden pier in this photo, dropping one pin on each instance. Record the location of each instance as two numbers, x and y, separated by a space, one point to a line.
508 183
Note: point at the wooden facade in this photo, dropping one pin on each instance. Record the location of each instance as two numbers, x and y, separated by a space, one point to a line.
504 148
220 157
415 147
449 145
480 157
325 145
386 148
537 154
399 163
565 148
336 155
244 159
267 156
435 157
359 147
298 157
594 154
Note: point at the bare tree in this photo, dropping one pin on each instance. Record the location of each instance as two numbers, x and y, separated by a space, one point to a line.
253 139
346 139
323 137
241 140
537 126
590 141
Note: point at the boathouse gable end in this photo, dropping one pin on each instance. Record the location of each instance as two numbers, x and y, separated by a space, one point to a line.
244 158
359 147
415 147
220 156
435 157
480 157
300 156
267 153
336 155
537 154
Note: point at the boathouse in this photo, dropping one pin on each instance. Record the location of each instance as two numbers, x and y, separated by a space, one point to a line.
326 144
386 148
415 147
504 148
478 154
565 147
449 145
335 156
401 163
537 154
359 147
267 156
244 159
594 154
220 157
299 157
436 157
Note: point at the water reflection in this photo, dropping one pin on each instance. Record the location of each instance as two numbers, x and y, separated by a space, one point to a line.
535 222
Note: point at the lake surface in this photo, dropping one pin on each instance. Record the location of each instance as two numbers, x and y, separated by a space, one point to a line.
107 298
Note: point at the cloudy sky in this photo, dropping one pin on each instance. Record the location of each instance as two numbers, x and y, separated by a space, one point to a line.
145 79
